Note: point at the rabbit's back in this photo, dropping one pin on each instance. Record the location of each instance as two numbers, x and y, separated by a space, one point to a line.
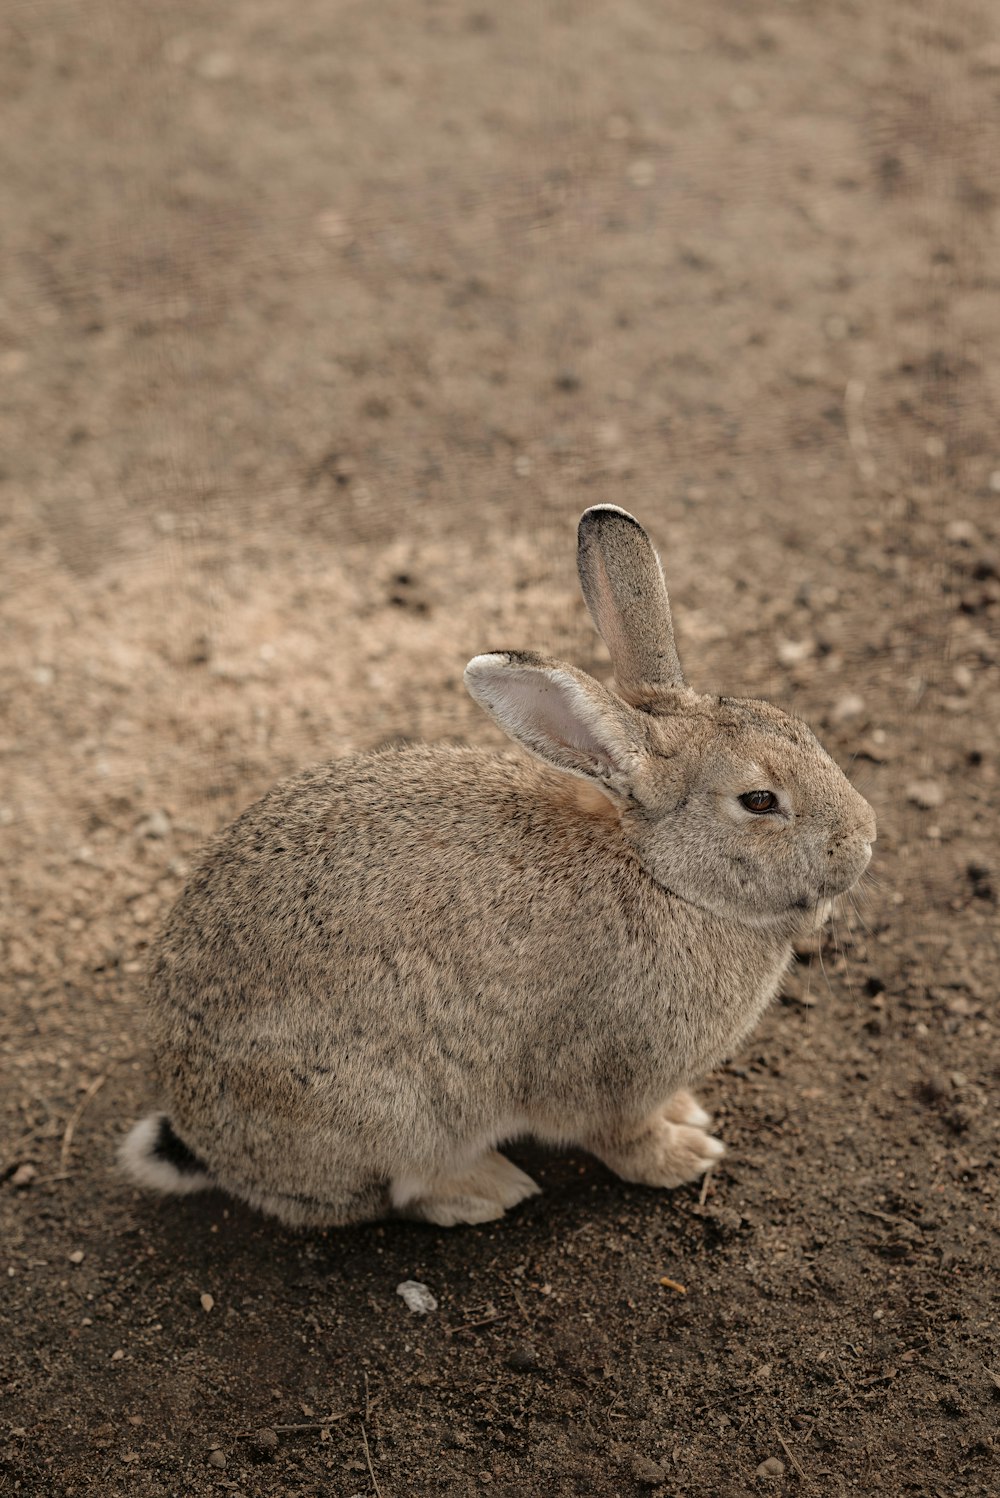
379 931
433 855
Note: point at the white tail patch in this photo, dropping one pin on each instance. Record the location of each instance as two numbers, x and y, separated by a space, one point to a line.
139 1159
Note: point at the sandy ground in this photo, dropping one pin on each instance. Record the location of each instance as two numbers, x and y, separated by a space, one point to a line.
319 326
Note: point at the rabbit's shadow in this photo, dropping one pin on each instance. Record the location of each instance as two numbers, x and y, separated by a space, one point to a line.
212 1234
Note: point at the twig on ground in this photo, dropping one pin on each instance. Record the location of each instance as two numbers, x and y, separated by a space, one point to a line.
791 1456
91 1092
310 1424
702 1195
468 1326
888 1217
368 1459
674 1285
331 1419
77 1114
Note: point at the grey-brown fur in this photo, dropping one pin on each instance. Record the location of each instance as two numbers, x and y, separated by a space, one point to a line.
393 963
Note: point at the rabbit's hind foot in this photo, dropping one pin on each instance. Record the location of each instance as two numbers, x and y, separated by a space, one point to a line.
480 1194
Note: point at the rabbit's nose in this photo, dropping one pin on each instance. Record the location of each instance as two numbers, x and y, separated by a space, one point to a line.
867 827
854 851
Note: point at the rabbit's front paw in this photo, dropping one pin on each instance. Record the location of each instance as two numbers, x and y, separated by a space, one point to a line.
664 1152
683 1153
683 1108
480 1194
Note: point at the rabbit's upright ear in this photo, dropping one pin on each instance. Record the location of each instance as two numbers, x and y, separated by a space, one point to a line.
622 581
562 715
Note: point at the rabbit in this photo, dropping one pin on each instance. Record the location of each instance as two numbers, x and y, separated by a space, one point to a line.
395 963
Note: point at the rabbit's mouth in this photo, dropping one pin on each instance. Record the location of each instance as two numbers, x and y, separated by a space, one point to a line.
820 910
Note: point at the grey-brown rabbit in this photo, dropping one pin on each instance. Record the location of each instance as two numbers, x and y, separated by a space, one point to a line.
392 964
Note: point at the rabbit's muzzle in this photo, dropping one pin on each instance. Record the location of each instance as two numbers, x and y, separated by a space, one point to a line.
846 861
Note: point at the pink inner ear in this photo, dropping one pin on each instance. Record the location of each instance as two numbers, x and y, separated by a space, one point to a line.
547 707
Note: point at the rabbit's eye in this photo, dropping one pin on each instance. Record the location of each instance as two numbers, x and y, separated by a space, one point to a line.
759 801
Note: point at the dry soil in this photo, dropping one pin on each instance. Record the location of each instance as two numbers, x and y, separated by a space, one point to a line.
320 324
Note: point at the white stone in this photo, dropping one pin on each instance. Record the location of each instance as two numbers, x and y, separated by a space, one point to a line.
416 1297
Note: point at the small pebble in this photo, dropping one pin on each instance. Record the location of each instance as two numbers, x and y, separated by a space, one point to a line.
76 1257
333 225
216 1458
416 1297
207 1302
792 652
642 173
23 1176
961 532
848 706
156 825
771 1468
522 1360
927 794
873 748
118 1354
265 1440
647 1473
216 66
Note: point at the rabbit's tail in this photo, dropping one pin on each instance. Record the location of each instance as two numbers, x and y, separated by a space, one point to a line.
154 1157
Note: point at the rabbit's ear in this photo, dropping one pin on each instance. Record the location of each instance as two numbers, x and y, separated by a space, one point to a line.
562 715
622 581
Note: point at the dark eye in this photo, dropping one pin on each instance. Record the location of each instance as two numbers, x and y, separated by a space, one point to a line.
759 801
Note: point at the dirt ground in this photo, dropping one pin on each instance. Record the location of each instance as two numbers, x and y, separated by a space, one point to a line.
320 324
